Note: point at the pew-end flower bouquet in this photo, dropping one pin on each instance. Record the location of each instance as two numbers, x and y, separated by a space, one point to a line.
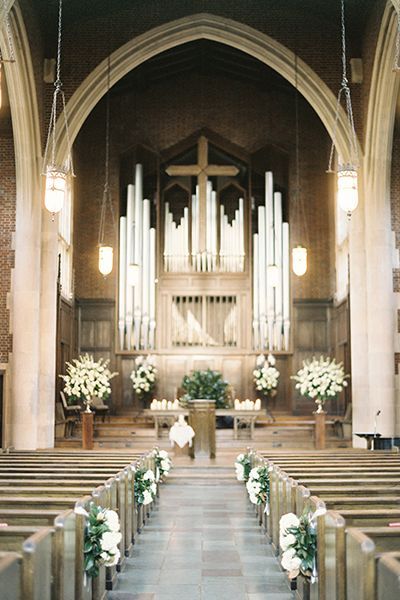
243 464
102 536
258 485
320 379
298 541
145 486
163 464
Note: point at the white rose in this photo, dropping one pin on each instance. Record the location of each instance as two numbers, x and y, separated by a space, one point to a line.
163 454
288 520
112 520
111 558
165 465
290 562
148 476
286 540
110 539
254 474
239 472
153 489
147 497
253 499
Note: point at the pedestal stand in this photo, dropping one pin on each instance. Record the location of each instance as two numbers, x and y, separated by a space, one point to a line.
202 419
87 430
320 430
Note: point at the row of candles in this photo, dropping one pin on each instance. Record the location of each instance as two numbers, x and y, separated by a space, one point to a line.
169 405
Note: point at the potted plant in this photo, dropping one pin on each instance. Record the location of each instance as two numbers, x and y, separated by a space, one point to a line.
320 379
205 385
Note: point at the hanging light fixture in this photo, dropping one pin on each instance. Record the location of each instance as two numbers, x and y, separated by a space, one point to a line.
347 176
56 174
106 251
299 253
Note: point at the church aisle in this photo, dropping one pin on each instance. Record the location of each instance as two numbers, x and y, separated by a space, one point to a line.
202 543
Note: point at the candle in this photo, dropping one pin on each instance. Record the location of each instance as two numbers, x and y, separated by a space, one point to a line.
257 405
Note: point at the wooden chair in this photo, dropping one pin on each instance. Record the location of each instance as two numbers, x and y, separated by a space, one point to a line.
343 424
72 415
100 408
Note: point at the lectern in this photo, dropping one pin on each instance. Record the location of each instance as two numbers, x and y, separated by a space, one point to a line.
202 419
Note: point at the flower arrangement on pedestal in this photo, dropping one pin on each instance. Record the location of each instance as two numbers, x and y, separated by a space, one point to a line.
145 487
163 464
102 536
207 385
243 464
258 485
144 375
266 375
320 379
298 541
87 378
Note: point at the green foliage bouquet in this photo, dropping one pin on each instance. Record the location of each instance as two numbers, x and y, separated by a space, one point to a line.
163 464
298 541
243 464
258 485
102 536
145 486
207 385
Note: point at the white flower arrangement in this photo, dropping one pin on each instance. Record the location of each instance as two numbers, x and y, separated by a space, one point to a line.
298 542
163 463
243 464
102 536
144 375
86 378
145 486
320 379
266 375
258 485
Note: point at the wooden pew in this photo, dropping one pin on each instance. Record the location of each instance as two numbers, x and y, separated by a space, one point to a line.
363 548
35 548
388 576
11 575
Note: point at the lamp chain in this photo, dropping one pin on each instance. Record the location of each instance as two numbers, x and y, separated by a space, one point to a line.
106 199
58 91
299 205
345 90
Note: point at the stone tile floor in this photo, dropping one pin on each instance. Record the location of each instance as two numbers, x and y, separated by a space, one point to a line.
202 542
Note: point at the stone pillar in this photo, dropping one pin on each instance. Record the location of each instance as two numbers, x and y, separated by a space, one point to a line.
202 419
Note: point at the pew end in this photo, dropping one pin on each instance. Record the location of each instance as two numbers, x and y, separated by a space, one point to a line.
11 575
389 576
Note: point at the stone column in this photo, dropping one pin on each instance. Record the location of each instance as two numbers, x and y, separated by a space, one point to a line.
202 419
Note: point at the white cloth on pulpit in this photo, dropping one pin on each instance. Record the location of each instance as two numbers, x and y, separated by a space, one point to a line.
181 433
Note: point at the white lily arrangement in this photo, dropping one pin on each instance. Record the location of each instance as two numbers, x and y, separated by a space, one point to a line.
145 486
144 375
243 464
320 379
102 536
266 375
163 464
86 378
298 542
258 485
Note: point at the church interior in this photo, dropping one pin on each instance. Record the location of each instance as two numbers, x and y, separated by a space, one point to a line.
200 243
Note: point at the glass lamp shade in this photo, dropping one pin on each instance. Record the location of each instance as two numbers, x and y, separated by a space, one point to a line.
132 276
273 275
105 260
299 260
347 188
56 184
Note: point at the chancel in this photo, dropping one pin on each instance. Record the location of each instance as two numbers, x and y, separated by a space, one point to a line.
200 229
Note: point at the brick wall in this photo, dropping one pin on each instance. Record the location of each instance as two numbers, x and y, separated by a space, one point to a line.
162 116
7 227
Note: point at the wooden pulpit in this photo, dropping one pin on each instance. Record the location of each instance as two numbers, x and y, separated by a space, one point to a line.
202 419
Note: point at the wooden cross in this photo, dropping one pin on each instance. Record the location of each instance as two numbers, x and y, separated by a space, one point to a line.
202 171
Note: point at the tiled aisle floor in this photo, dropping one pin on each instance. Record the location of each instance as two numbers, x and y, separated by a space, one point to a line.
202 543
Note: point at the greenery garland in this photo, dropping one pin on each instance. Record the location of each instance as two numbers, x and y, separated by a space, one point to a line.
102 537
298 541
145 487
